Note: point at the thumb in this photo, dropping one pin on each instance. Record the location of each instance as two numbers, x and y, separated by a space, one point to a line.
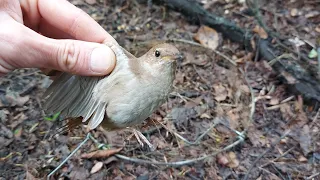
25 48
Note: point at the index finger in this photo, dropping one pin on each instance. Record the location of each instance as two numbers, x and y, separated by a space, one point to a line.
67 18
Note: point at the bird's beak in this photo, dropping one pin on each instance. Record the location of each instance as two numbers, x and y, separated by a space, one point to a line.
176 57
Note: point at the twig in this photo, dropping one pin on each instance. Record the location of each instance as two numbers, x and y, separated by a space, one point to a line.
70 155
313 176
265 152
275 159
253 100
215 123
271 63
178 163
318 49
171 164
315 118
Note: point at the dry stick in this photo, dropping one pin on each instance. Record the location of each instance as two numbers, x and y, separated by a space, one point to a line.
315 118
275 159
265 152
214 124
171 164
70 155
276 59
253 100
318 49
313 176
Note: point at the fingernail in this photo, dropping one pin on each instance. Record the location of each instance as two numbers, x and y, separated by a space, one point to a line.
102 60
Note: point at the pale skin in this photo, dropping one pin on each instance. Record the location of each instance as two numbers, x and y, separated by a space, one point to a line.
52 34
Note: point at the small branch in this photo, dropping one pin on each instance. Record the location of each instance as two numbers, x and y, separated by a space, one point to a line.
275 159
264 153
178 163
70 155
313 176
171 164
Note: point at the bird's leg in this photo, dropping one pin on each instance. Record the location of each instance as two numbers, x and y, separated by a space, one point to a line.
139 135
70 155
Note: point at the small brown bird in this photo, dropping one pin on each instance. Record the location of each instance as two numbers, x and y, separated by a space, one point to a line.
126 97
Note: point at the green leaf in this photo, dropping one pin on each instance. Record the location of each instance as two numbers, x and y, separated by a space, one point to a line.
53 118
313 54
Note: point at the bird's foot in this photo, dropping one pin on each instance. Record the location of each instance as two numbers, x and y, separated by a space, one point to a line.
140 137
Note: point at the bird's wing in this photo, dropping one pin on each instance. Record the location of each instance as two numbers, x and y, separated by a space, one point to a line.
71 95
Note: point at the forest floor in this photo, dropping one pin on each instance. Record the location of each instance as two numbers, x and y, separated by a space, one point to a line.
232 117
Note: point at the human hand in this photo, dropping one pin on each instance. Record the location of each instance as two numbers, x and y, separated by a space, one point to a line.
52 34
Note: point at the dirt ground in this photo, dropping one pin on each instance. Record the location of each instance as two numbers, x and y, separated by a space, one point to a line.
231 120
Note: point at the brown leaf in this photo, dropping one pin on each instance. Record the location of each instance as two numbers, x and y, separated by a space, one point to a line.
208 37
101 153
221 92
234 117
222 159
96 167
79 173
274 101
294 12
256 137
305 139
286 111
233 161
260 31
158 142
302 159
14 99
290 79
244 88
29 176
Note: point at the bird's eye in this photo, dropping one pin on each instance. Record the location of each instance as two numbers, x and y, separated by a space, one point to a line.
157 53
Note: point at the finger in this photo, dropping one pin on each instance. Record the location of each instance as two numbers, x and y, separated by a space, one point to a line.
12 8
30 49
51 31
67 18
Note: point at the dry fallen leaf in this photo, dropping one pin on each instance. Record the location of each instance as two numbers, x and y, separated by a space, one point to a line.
233 161
222 159
221 92
274 101
96 167
208 37
101 153
305 139
29 176
302 159
256 137
294 12
290 79
234 117
260 31
14 99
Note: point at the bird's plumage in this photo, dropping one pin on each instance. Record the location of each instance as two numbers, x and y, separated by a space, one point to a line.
126 97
